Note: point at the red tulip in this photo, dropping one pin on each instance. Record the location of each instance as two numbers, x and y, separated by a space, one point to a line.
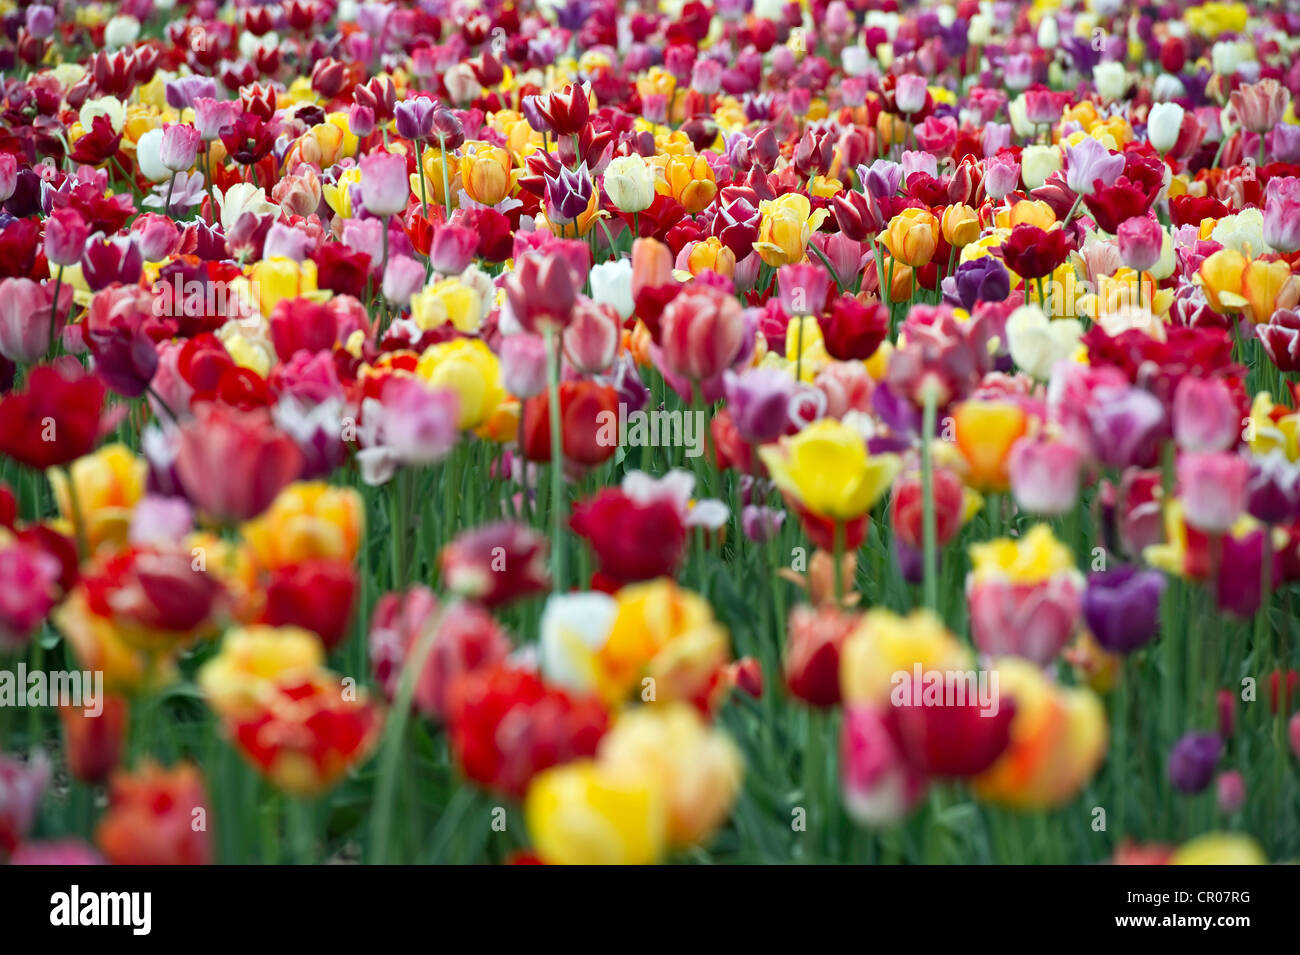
588 417
317 595
812 652
55 419
496 564
151 818
507 725
633 540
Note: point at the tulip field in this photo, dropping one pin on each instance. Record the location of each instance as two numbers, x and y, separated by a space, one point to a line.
705 432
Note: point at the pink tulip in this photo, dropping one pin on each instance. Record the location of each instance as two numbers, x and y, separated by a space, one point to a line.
385 187
1212 488
1034 621
592 336
232 464
1207 417
879 785
523 364
1045 475
180 146
26 310
29 580
1140 240
1282 214
701 333
402 278
66 232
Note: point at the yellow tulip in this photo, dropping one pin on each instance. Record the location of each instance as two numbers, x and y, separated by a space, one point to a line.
884 644
308 519
785 225
108 484
279 278
827 469
1267 287
469 368
696 765
583 813
912 236
960 224
687 179
485 172
338 195
1220 848
663 637
444 301
711 254
985 432
252 659
1029 559
1220 276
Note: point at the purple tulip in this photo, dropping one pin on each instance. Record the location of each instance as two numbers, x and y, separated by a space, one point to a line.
1273 489
759 400
1122 607
1090 162
568 194
1192 761
1127 425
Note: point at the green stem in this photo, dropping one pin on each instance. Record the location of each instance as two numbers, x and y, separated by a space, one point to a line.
557 458
928 526
390 758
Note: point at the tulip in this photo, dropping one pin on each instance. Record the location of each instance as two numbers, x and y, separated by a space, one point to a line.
467 640
1141 239
107 485
911 237
523 364
541 292
985 432
1122 607
1001 175
179 148
1273 489
150 817
384 188
587 419
487 704
468 368
1282 214
908 501
1217 848
1212 488
785 226
701 333
814 638
1126 424
485 174
30 318
694 764
94 743
1206 415
1057 741
689 181
316 595
1045 475
629 183
496 564
633 540
584 813
827 470
1260 106
1192 761
30 579
880 787
21 786
233 463
66 232
55 419
1164 121
1280 338
592 337
1023 595
1090 163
